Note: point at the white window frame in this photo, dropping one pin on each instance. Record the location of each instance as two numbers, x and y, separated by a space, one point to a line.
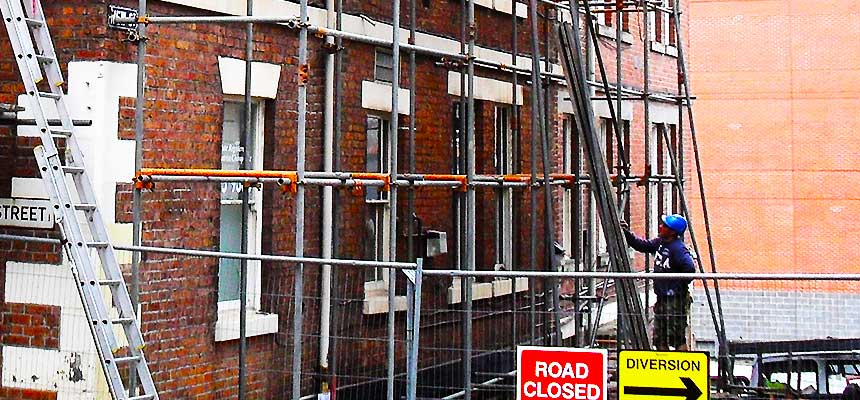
609 31
605 123
567 132
259 323
504 165
657 187
662 44
376 291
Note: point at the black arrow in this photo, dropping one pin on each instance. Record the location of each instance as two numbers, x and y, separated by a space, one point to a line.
690 390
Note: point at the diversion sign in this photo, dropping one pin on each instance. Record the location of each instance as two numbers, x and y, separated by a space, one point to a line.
663 375
561 373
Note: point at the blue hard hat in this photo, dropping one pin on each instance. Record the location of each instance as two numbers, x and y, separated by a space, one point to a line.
675 222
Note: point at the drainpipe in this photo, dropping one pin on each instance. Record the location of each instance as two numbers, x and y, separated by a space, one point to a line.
327 203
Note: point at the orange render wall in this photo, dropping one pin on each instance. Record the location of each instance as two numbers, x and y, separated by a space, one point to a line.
778 118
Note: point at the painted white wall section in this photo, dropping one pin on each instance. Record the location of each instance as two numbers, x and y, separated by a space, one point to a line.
73 371
662 113
486 89
94 91
600 107
29 188
505 6
377 96
264 77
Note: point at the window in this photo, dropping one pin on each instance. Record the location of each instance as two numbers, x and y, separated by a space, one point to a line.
667 194
232 155
378 212
614 161
504 162
610 16
800 375
662 26
567 141
384 66
840 373
230 229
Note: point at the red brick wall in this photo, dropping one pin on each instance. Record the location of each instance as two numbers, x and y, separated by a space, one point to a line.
30 325
778 119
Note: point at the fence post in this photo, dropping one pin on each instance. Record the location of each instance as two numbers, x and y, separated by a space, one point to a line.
413 328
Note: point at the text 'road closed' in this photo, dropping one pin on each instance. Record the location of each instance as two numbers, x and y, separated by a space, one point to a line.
561 373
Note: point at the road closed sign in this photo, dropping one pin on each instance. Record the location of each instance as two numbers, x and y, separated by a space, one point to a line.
663 375
561 373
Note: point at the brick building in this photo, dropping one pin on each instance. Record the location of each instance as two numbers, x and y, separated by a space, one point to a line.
195 75
778 119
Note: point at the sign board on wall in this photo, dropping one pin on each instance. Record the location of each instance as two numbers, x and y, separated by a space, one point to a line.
663 375
561 373
26 213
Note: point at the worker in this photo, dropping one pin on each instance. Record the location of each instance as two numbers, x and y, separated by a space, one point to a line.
673 295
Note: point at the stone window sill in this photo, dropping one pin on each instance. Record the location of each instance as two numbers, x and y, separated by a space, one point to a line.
257 323
485 290
668 50
609 32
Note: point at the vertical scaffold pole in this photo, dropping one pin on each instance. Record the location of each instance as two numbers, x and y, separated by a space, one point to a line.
247 144
136 199
298 290
392 195
513 241
649 169
470 198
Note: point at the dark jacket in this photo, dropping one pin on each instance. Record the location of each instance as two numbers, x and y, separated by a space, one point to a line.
671 256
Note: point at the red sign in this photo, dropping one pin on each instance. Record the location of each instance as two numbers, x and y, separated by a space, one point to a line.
561 373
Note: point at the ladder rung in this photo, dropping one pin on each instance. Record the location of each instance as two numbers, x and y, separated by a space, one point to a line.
85 207
61 132
108 282
49 95
73 170
35 22
143 397
123 321
99 245
129 359
45 59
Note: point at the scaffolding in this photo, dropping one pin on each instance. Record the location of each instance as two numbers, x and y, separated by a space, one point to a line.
465 184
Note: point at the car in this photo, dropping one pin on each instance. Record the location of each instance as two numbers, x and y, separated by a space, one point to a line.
805 374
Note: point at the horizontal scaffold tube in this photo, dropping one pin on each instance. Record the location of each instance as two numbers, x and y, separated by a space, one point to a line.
646 276
236 256
149 175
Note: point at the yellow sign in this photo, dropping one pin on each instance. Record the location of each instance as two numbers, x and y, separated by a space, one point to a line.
663 375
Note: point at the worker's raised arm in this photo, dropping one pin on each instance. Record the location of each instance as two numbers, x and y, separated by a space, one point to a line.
639 244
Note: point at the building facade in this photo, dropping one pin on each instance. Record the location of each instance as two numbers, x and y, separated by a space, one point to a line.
193 119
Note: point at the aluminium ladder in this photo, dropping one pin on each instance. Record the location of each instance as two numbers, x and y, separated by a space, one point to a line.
98 275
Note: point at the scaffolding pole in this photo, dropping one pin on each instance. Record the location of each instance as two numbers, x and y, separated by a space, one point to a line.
392 195
302 78
470 194
682 70
510 243
136 198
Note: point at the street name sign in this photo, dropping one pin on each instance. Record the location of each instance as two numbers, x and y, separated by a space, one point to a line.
26 213
561 373
663 375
